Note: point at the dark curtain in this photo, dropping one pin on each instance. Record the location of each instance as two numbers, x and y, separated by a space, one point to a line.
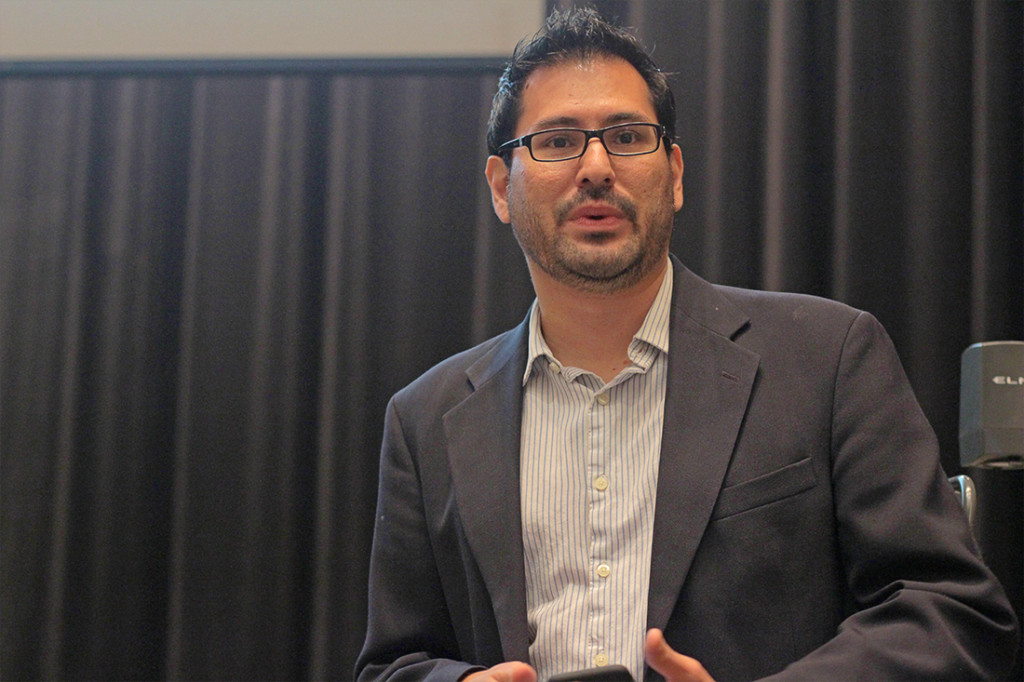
215 275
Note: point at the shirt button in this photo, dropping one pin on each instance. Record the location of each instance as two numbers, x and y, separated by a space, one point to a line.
601 483
604 570
601 660
603 398
554 367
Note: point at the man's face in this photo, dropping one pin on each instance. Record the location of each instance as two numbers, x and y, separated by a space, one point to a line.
598 223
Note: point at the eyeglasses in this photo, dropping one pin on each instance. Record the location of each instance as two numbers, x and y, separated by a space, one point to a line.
562 144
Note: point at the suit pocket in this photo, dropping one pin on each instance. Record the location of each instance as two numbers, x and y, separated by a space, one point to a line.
790 480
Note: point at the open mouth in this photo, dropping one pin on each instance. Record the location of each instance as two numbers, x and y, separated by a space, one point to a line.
601 216
596 212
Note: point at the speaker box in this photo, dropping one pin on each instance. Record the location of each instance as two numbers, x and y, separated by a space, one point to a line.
992 405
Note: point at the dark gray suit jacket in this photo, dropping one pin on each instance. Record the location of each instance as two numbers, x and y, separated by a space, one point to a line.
803 524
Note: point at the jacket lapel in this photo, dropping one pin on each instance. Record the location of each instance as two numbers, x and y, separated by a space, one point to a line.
710 379
483 435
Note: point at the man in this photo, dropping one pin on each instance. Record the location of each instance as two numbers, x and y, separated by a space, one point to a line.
688 480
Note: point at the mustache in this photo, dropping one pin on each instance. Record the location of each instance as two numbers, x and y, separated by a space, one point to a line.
596 193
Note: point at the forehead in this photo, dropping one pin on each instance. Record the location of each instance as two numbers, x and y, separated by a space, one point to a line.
591 92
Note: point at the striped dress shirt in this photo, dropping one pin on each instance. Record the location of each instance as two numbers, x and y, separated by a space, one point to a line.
589 473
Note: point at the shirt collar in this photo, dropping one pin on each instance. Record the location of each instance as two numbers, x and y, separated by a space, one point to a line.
653 333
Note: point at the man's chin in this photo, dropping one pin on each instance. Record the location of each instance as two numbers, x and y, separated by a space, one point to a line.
602 260
607 276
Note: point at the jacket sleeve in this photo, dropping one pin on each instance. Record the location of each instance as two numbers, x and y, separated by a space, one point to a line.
409 632
925 606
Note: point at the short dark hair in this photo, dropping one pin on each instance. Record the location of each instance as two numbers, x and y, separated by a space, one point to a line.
576 33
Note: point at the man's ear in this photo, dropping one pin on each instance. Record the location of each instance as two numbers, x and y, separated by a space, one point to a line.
497 177
676 162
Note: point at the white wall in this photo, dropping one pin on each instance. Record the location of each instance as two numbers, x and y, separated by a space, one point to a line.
227 29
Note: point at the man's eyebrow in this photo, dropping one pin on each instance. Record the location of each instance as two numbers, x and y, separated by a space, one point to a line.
627 117
557 122
573 122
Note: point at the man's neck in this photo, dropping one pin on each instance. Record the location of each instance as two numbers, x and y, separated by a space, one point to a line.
593 331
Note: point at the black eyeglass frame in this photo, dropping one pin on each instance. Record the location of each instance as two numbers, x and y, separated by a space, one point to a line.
525 140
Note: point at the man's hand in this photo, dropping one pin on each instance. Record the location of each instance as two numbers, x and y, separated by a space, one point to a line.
512 671
674 667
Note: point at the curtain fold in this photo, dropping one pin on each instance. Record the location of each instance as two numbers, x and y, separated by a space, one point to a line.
212 282
997 169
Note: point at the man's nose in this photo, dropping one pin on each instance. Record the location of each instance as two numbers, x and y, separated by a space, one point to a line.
595 165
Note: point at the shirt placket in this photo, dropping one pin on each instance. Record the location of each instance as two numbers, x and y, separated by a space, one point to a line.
598 519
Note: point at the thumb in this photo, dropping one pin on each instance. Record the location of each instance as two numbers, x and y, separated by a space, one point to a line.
656 650
673 666
511 671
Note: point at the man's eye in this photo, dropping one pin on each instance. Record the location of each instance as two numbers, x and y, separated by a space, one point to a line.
558 141
626 137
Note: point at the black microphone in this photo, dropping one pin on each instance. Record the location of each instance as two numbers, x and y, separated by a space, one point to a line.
992 405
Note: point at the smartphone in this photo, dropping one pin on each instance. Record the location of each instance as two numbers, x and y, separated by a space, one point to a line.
608 673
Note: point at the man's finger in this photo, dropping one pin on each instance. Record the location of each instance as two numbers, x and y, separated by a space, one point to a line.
511 671
673 666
